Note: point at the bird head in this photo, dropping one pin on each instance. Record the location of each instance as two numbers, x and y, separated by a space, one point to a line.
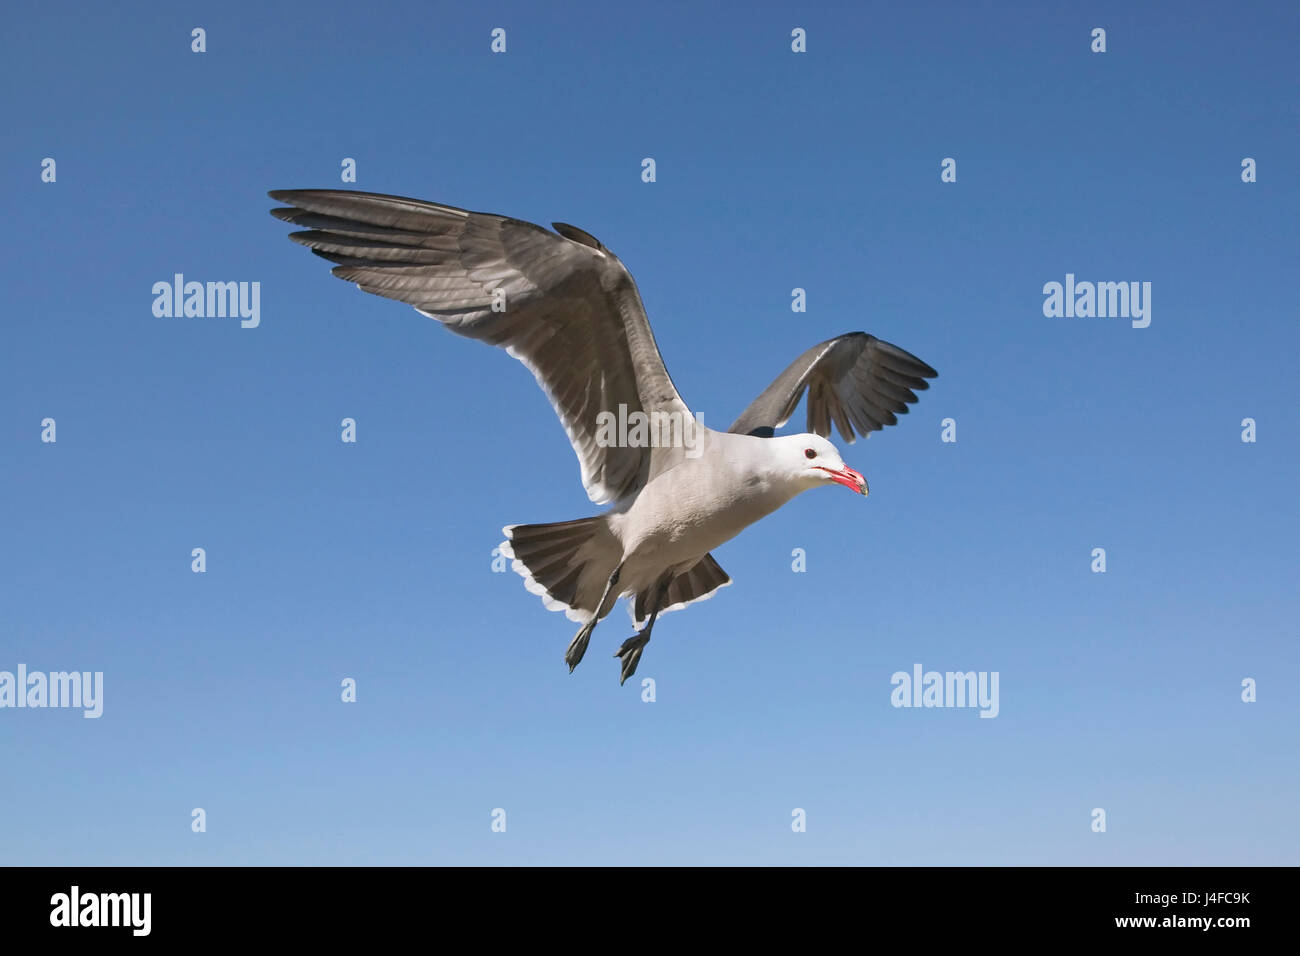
815 461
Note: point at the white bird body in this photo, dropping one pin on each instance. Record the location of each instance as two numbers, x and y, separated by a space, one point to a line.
699 504
566 307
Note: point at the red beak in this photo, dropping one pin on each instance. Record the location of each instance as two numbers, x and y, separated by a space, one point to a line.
848 478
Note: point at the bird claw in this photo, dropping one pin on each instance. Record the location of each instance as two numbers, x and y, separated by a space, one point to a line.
630 652
578 646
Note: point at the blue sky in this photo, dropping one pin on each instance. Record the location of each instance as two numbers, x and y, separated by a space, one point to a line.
775 170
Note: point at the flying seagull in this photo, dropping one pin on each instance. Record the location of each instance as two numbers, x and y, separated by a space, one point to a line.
566 307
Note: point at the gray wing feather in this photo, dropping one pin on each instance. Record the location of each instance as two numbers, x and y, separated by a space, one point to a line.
572 313
855 381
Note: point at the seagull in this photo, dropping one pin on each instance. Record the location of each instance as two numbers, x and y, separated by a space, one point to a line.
567 307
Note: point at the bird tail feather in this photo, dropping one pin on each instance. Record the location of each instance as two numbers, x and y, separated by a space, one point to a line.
697 584
566 563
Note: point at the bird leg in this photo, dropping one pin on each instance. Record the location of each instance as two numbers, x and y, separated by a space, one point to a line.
631 649
578 646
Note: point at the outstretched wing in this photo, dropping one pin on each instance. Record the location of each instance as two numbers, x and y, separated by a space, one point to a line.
855 380
564 305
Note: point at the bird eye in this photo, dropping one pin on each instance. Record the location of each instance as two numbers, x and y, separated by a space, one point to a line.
809 453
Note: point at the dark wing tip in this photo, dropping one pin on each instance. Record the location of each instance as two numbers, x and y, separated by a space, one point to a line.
288 195
906 361
575 234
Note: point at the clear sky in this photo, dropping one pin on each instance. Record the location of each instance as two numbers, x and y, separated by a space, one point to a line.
775 170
